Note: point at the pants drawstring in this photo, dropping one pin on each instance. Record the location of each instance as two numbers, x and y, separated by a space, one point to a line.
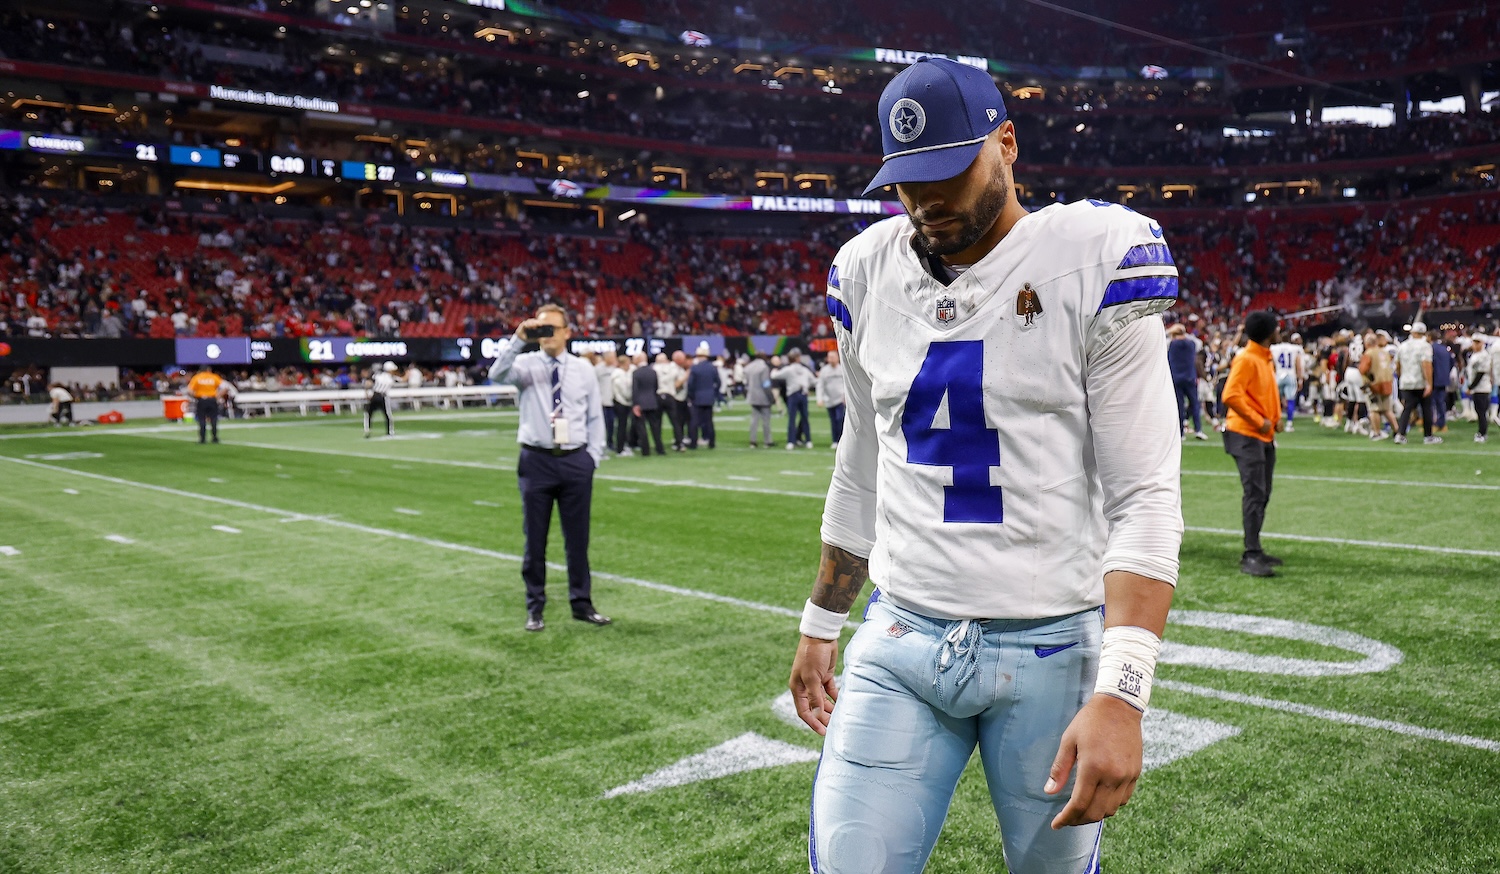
962 641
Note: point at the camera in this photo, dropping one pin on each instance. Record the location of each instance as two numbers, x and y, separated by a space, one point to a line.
540 331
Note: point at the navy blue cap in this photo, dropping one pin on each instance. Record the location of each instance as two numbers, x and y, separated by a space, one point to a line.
934 117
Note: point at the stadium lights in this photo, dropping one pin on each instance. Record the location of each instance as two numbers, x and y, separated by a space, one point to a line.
1078 128
239 187
627 215
583 94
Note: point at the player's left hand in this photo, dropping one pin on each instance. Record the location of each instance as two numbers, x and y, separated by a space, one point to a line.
1104 740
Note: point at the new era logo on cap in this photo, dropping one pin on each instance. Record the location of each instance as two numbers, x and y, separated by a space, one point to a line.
935 116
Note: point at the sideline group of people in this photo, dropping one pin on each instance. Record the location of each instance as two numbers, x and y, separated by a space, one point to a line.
638 393
1363 382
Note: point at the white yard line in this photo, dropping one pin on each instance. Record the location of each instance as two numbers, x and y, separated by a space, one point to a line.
1287 706
1333 715
485 465
485 504
9 551
1414 449
226 529
289 515
405 511
1353 480
119 538
1377 544
185 430
1417 547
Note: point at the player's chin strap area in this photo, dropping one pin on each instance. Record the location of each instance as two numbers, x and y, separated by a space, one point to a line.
962 641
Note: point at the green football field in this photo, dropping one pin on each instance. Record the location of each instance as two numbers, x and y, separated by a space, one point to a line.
301 651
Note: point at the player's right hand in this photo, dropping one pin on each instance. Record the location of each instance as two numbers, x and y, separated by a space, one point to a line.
812 683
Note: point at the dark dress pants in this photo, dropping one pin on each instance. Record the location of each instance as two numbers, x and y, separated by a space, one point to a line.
836 422
649 419
1410 399
621 435
567 481
1256 460
207 414
674 417
1187 393
702 428
797 428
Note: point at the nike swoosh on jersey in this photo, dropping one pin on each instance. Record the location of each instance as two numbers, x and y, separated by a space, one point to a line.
1044 651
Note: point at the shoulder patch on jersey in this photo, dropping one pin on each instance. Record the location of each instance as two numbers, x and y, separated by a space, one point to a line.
1147 255
833 276
840 313
1028 305
1139 288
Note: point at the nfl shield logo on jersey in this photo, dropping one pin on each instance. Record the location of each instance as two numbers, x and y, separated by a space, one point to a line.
946 309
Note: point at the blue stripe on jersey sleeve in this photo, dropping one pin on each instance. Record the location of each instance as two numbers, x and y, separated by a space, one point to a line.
1146 255
840 313
1139 288
833 276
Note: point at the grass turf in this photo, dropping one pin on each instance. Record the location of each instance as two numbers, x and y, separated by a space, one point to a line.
344 685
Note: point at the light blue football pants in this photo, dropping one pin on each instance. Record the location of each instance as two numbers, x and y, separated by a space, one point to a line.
917 695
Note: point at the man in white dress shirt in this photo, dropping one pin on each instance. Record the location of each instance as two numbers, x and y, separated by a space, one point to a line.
562 440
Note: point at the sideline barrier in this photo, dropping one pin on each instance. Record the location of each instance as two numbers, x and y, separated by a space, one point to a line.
314 400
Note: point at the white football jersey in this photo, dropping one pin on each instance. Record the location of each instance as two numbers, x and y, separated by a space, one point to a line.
1011 435
1285 356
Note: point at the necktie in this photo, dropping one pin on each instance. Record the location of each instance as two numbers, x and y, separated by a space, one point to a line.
556 389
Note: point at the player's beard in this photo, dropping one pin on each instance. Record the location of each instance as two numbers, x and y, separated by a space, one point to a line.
972 225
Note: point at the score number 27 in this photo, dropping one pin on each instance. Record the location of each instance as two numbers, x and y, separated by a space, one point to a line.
955 369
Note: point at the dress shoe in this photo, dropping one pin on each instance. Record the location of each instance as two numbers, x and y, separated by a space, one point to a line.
1271 560
534 622
593 617
1256 566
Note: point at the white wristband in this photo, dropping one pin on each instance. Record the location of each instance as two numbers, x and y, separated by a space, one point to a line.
1127 664
820 623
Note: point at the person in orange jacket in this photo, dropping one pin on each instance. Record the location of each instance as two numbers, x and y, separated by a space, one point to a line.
205 388
1250 433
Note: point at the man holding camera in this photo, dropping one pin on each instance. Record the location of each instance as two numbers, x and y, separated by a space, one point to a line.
562 440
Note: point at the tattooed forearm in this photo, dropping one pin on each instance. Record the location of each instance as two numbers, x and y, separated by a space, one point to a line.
840 577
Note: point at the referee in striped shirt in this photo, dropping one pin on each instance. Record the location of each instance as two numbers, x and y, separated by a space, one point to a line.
380 398
562 441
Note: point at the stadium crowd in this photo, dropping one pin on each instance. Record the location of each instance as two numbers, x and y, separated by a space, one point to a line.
1385 33
77 268
604 104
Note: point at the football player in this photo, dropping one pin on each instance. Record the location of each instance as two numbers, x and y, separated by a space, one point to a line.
1008 477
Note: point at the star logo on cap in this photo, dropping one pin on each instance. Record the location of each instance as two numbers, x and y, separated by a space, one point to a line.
908 119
